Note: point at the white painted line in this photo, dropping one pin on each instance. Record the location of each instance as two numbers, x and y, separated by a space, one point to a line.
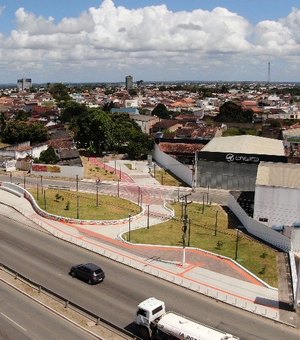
14 322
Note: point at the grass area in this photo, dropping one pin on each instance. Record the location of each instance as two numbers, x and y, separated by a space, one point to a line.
210 228
255 256
64 203
165 177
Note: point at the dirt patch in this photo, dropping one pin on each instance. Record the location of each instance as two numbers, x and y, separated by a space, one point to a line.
92 171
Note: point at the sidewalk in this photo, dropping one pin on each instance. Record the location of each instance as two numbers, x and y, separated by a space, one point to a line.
203 272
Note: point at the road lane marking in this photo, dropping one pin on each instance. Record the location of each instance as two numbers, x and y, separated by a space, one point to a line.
11 320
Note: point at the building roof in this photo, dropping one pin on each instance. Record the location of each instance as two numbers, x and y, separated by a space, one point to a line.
246 144
278 175
180 148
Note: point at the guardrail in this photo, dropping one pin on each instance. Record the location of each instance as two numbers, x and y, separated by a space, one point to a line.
69 304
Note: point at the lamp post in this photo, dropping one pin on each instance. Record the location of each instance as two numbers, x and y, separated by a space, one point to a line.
77 207
129 226
42 183
118 187
37 191
189 233
77 185
236 245
10 177
97 191
24 181
45 200
216 223
207 194
139 193
147 216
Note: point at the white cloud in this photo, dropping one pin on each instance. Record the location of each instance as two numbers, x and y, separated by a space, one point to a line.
152 41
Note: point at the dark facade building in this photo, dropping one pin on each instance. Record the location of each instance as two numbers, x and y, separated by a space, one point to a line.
231 163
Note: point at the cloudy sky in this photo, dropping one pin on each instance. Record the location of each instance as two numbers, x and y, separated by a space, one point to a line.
105 40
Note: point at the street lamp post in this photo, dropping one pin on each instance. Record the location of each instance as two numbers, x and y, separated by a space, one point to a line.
189 233
24 181
97 191
216 223
147 216
77 207
118 187
77 185
10 177
207 194
236 245
129 226
42 183
37 191
139 193
45 202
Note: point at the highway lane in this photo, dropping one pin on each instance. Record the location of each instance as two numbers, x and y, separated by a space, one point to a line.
22 318
47 260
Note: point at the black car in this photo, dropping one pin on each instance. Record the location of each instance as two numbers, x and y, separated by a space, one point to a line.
88 272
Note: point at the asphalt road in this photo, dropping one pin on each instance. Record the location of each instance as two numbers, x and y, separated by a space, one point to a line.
22 318
47 260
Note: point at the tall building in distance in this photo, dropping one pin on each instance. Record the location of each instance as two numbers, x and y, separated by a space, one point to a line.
128 82
24 84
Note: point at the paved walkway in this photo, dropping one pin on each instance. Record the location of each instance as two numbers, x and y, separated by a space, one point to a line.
194 269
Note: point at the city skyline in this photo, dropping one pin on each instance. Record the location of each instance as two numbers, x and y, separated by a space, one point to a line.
105 40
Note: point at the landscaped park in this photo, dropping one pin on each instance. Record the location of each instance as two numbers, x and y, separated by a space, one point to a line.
209 227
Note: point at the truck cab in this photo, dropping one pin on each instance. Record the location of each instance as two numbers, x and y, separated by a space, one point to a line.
149 311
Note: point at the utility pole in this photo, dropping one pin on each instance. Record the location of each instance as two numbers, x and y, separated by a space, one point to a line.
185 225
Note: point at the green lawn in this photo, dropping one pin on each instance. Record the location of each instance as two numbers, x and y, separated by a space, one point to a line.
255 256
64 203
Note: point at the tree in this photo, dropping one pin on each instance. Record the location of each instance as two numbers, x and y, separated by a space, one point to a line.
72 110
160 111
59 92
139 146
22 115
231 112
20 131
48 156
95 127
100 131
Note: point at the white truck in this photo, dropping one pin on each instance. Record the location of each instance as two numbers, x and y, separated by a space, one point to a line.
162 325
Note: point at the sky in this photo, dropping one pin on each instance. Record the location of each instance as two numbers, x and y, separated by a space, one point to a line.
152 40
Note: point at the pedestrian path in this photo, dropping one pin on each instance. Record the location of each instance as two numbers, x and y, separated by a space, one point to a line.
200 271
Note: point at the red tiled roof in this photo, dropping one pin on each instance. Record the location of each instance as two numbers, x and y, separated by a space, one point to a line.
180 148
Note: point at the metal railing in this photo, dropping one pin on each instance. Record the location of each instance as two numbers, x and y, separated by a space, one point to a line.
69 304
